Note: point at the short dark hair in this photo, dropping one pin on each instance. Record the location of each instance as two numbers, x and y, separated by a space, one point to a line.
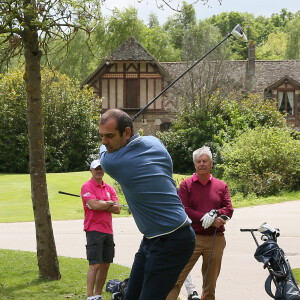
122 118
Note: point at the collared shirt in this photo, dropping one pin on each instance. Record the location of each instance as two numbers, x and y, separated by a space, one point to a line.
144 170
195 178
97 220
199 198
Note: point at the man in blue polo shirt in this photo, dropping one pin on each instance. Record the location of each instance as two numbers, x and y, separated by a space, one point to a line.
143 168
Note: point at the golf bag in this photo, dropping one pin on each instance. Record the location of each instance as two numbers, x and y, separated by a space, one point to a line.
274 259
113 285
122 287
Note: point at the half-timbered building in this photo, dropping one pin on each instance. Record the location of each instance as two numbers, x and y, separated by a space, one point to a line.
130 78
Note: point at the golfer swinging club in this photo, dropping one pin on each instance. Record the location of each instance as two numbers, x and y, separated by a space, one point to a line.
143 168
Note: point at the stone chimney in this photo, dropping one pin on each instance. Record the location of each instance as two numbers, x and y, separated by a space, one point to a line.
250 68
251 60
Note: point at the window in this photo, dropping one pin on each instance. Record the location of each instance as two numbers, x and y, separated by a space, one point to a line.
286 101
165 126
132 93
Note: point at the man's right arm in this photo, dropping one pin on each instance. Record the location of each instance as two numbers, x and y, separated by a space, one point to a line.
99 205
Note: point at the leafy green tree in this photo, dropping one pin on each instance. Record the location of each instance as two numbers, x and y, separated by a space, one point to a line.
214 120
201 38
14 156
70 123
263 161
77 58
259 30
158 43
282 19
293 38
226 22
28 27
178 23
274 48
125 23
153 20
118 28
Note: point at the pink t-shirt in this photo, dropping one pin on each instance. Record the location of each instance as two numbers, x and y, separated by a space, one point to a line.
97 220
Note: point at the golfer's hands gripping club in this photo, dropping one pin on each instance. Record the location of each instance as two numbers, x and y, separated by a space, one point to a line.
209 218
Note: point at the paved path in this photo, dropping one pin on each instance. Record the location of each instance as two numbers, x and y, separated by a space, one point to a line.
241 278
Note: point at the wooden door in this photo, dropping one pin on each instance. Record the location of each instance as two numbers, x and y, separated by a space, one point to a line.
131 100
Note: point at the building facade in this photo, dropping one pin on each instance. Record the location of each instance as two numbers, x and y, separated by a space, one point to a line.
130 78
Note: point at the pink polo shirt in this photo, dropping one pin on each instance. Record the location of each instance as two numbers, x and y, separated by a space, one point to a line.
97 220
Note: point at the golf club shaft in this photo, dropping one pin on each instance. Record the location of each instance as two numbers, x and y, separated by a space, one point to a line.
64 193
173 82
69 194
251 231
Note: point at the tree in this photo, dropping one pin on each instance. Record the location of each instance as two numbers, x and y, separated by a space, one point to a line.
263 161
153 20
119 27
159 44
31 25
274 48
226 22
76 59
293 38
214 120
282 19
70 123
181 21
201 38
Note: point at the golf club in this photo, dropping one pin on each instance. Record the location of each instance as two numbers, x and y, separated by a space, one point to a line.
69 194
225 218
237 32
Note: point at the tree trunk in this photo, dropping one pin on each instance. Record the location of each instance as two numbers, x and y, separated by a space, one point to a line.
46 250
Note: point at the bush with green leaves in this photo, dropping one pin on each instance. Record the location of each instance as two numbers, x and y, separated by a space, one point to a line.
213 121
14 152
262 161
70 118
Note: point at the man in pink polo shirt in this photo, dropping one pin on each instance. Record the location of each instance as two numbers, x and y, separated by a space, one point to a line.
205 199
99 202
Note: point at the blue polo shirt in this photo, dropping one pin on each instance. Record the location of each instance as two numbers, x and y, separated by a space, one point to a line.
144 170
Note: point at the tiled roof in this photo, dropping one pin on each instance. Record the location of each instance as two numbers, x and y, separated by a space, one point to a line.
130 50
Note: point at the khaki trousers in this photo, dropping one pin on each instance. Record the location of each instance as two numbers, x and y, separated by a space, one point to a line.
203 248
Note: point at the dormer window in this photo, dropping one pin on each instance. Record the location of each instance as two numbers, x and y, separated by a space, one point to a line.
287 93
286 101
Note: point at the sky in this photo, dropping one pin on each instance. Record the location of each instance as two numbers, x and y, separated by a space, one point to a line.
257 7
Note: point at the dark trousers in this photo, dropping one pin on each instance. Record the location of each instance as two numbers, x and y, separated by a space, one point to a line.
158 264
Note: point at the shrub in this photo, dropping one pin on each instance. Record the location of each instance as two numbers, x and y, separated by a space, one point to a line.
263 161
70 117
213 121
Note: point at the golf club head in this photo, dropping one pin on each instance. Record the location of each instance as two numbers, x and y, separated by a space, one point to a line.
268 230
264 238
239 33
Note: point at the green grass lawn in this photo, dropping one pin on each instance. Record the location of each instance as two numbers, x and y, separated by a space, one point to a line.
15 197
19 277
19 270
16 205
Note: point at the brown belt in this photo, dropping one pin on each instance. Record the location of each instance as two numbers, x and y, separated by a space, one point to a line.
219 233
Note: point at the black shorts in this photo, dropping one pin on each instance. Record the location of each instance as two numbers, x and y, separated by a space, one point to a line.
100 247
